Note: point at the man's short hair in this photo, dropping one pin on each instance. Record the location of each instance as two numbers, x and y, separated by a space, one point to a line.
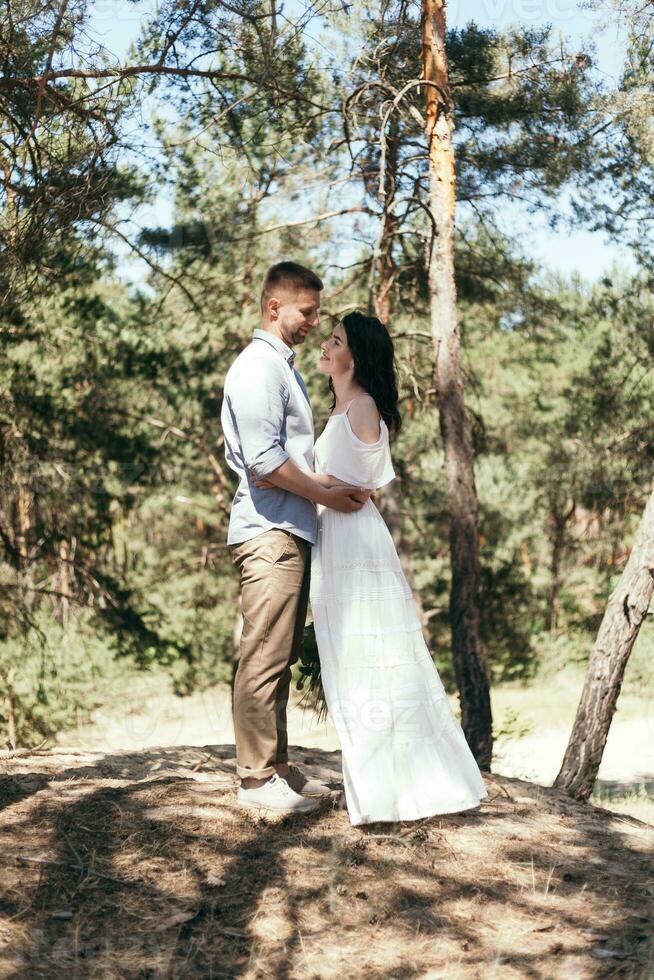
288 275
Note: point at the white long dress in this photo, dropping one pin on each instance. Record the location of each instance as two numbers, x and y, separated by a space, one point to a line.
404 753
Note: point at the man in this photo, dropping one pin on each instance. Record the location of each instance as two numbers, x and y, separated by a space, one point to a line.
268 428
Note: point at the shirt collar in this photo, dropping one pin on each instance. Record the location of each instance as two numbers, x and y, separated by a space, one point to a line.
277 343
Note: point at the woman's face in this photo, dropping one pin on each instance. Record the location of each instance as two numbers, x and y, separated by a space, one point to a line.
335 355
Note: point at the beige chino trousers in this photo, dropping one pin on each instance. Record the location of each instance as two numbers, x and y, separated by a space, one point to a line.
274 569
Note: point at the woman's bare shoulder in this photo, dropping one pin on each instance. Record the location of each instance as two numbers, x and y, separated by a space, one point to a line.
364 418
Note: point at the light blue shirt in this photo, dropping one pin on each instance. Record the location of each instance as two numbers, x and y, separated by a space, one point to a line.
266 419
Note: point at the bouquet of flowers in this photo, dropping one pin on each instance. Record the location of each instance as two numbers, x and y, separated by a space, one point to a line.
310 678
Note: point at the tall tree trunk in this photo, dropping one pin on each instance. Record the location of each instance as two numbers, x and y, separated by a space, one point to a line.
23 526
383 298
559 521
23 523
625 613
64 583
469 661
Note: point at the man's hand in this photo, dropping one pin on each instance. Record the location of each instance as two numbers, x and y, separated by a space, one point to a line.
261 484
359 493
345 499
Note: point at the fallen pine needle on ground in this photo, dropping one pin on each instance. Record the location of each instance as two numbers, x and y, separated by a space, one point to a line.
112 866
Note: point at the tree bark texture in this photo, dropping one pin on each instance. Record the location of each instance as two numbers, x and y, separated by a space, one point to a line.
469 661
625 613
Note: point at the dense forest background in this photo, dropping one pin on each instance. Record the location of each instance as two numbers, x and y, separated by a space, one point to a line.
295 132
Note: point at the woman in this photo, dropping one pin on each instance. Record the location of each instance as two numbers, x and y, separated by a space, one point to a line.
404 753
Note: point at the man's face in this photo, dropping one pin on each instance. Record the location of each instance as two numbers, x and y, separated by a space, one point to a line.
295 313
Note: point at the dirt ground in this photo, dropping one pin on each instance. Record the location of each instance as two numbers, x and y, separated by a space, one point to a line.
114 865
149 715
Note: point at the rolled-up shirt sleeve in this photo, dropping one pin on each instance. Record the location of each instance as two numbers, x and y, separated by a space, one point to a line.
257 403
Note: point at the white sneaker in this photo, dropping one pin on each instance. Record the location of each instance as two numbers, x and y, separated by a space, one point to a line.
276 796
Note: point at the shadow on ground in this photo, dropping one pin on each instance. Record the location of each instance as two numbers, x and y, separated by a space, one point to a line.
116 866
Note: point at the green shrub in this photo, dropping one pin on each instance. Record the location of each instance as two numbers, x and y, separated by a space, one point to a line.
51 679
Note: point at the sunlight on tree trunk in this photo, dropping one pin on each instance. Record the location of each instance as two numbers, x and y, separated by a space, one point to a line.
384 302
469 663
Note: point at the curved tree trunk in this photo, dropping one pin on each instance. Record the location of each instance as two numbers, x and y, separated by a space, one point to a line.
625 613
469 662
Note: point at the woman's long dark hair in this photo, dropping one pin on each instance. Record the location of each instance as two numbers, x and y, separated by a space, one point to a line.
374 364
